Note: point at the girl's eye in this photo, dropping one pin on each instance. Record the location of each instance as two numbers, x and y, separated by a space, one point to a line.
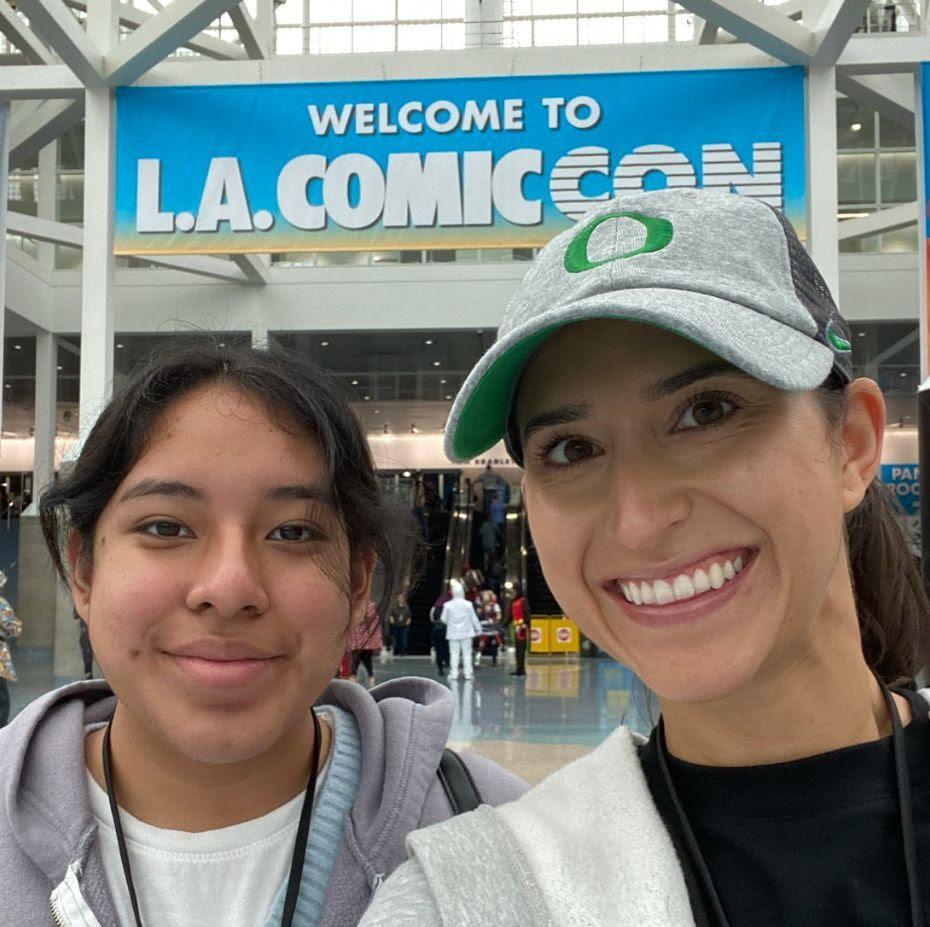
569 451
295 533
705 412
165 529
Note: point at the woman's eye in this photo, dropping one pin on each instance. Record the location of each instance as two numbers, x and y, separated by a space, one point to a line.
165 529
704 412
570 451
300 533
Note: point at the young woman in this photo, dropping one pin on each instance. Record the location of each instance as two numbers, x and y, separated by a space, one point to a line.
218 533
462 626
700 479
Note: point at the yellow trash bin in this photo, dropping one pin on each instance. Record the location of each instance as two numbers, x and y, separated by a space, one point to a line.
563 636
539 634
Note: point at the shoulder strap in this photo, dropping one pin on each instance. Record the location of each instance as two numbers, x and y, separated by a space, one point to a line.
458 783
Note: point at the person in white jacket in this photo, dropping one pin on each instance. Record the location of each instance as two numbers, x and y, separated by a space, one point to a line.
462 626
700 473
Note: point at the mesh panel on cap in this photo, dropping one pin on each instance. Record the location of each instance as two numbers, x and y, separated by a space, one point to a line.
814 294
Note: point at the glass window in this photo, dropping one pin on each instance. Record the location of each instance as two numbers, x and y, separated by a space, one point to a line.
900 241
330 11
419 36
518 33
555 32
856 175
600 6
419 9
453 35
373 38
684 27
600 30
892 134
554 7
330 40
655 28
21 192
291 12
289 41
899 177
453 9
372 11
855 124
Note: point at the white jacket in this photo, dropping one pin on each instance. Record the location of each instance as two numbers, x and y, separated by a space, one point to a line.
459 617
585 848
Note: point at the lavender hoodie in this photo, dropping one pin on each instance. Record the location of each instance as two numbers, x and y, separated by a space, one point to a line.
48 834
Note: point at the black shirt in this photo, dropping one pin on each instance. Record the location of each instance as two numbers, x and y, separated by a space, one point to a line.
811 843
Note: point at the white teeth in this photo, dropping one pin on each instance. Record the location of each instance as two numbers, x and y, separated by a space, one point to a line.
701 582
664 592
682 587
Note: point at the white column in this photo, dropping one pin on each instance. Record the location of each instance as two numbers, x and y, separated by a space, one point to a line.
264 24
484 25
822 187
47 199
98 273
45 418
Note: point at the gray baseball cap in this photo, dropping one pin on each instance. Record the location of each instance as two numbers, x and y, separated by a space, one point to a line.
725 271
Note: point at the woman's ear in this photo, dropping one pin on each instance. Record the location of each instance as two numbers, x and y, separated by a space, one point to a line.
362 572
863 431
79 574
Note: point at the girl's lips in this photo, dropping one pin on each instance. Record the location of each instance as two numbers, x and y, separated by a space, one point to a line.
676 613
222 673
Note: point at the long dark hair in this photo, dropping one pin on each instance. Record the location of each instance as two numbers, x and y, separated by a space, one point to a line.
892 605
298 393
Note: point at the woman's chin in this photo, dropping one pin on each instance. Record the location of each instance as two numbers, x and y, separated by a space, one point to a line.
701 681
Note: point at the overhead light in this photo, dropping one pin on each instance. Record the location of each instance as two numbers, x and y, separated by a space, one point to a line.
366 398
377 411
407 474
437 363
355 382
903 375
429 341
120 347
17 347
60 367
862 334
856 126
448 397
222 344
414 430
324 344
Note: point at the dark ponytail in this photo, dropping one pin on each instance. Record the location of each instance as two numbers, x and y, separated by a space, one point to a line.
893 609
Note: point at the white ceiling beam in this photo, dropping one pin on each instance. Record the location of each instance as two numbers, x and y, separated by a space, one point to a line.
15 29
705 32
885 54
885 220
64 233
35 127
892 95
203 44
39 82
761 26
252 267
248 33
58 26
837 23
159 36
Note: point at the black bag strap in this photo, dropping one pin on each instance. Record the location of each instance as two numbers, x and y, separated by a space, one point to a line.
457 783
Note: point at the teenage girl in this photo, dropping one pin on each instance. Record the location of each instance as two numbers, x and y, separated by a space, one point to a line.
218 534
700 476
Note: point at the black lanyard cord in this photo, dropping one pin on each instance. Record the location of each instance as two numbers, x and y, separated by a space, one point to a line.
905 807
300 844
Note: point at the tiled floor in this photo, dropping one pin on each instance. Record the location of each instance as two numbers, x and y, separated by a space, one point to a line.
531 725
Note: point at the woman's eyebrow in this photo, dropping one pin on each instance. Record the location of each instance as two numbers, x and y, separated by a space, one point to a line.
564 415
669 385
308 492
151 487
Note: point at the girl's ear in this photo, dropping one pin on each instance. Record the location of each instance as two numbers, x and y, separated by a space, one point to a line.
80 575
863 431
363 570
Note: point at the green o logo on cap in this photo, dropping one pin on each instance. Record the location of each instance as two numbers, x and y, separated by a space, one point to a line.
658 234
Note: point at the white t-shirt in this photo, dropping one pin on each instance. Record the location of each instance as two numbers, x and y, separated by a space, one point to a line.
228 876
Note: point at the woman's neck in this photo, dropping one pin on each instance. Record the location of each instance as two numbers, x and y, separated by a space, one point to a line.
167 789
826 700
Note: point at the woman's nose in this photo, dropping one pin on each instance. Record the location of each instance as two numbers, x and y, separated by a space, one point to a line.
228 578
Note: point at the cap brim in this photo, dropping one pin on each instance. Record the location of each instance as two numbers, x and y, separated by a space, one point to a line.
765 348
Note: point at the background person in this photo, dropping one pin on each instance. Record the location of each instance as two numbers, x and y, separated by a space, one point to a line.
520 619
365 644
462 625
704 500
399 619
10 627
218 532
438 631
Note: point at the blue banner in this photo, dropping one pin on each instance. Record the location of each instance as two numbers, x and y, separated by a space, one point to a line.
460 163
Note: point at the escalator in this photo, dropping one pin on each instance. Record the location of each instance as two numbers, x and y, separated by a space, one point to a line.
540 597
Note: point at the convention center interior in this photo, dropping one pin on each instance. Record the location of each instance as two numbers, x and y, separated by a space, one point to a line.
365 183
